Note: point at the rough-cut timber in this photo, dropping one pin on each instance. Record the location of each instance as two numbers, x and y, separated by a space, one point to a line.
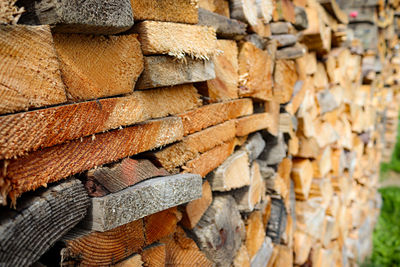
140 200
196 208
39 221
57 162
32 78
85 64
177 154
166 71
255 72
225 84
176 39
93 16
209 115
225 27
285 77
211 159
126 173
184 11
253 123
233 173
220 231
29 131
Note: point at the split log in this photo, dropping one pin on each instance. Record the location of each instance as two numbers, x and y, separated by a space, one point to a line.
166 71
211 159
310 216
301 19
183 11
96 17
302 247
183 251
255 72
285 39
248 197
333 8
31 79
254 146
274 151
265 9
285 77
258 41
292 52
326 101
177 154
154 256
242 258
253 123
39 221
244 10
85 64
281 28
48 165
277 222
140 200
124 174
318 35
220 7
302 175
176 39
255 233
29 131
209 115
285 257
233 173
224 27
284 11
263 255
225 84
308 148
196 208
134 261
273 108
220 231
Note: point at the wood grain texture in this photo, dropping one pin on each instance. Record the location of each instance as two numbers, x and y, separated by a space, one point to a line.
93 16
140 200
255 233
224 27
208 161
209 115
166 71
285 77
253 123
154 256
177 154
184 11
254 146
85 64
134 261
29 131
29 70
220 7
40 219
176 39
263 255
161 224
57 162
255 72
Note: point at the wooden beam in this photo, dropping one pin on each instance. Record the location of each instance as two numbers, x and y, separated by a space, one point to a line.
183 11
176 39
253 123
162 71
285 77
31 79
29 131
39 220
48 165
85 61
177 154
209 115
95 17
224 27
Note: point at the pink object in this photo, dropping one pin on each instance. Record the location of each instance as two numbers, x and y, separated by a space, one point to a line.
353 14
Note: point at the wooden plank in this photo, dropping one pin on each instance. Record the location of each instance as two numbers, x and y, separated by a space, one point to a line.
255 72
96 17
209 115
30 79
253 123
154 256
177 154
285 77
176 39
210 160
29 131
184 11
166 71
225 84
140 200
40 219
85 64
222 221
49 165
196 208
224 27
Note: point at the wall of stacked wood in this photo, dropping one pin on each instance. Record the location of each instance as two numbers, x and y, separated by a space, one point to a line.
194 133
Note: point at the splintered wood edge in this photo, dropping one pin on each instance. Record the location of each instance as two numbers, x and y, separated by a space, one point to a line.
141 200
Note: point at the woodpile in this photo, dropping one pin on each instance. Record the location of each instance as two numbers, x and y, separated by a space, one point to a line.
194 133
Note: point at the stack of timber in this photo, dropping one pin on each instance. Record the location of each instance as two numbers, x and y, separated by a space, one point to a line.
194 132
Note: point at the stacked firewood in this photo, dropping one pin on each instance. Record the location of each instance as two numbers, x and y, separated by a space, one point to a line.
192 133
